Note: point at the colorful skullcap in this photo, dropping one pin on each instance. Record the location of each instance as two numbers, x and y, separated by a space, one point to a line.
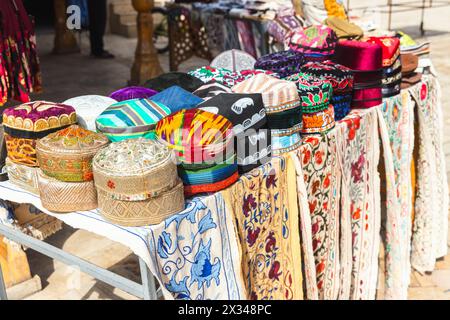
390 47
315 93
197 136
341 77
208 73
283 63
316 39
176 98
278 95
129 93
232 79
318 122
180 79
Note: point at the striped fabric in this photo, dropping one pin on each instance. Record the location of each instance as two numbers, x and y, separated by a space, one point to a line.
278 95
131 119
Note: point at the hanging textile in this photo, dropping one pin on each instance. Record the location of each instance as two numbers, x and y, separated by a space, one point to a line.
19 64
196 253
246 38
309 267
358 155
396 118
265 209
430 231
322 177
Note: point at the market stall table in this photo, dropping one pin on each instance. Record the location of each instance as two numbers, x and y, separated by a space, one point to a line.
328 192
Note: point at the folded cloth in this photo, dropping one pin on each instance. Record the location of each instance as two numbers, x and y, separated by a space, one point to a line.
180 79
343 28
282 63
131 119
211 89
176 98
283 24
88 108
129 93
410 80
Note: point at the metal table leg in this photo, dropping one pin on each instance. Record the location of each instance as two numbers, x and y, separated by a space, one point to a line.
148 282
3 295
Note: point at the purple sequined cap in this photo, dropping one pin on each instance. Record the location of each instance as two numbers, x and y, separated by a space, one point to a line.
132 93
283 63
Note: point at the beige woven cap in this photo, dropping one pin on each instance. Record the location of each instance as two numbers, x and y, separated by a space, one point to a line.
142 213
63 197
134 170
67 154
278 95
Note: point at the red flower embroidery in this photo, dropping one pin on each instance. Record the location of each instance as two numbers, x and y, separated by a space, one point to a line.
252 236
423 91
270 242
326 181
274 272
111 184
318 157
306 156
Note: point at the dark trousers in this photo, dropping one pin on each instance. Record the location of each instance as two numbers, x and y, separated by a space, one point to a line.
97 24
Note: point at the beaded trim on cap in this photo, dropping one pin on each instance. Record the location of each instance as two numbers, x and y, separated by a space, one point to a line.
315 93
39 116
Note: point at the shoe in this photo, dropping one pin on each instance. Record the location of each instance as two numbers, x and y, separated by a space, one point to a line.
104 55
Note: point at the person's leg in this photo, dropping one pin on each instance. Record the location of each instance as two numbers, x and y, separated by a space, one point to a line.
97 25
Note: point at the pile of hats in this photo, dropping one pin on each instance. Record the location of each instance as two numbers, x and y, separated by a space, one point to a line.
211 89
66 179
283 109
341 79
203 145
365 61
24 125
392 67
316 43
131 119
137 182
248 117
316 95
283 63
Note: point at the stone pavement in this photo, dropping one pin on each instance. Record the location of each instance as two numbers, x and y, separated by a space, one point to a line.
77 74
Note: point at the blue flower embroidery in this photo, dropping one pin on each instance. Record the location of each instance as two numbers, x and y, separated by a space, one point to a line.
164 244
202 269
179 288
206 223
